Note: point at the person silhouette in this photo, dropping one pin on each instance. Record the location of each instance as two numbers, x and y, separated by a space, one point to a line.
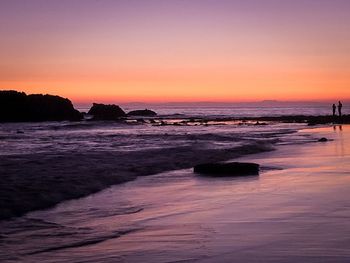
340 106
334 109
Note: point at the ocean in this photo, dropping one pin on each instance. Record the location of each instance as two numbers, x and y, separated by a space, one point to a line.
31 138
231 110
43 164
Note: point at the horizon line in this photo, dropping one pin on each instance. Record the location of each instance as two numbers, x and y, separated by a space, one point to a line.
211 102
112 99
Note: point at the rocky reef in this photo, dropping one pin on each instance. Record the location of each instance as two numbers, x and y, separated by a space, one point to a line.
145 113
106 112
227 169
20 107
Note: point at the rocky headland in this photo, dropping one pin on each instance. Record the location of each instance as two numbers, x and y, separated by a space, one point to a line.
20 107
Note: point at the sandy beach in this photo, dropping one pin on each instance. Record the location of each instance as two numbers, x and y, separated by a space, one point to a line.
297 210
175 131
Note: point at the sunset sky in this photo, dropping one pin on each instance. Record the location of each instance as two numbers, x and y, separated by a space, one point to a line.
177 50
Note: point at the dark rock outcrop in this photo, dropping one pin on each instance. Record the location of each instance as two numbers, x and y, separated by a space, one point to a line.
308 119
106 112
323 139
144 112
18 106
227 169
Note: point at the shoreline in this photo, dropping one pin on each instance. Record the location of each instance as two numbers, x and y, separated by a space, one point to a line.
296 213
44 180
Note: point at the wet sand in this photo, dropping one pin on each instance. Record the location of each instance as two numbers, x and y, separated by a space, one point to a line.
297 210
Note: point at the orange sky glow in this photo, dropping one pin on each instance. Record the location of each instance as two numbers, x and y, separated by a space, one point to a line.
165 51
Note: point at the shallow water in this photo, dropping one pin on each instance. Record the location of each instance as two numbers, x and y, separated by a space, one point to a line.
43 164
233 110
84 136
296 210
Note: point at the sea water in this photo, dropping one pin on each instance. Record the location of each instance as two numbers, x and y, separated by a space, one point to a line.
173 215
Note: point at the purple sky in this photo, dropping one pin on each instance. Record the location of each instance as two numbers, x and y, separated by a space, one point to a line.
169 44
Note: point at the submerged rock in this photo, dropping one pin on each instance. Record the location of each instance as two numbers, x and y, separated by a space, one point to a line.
323 139
227 169
18 106
106 112
144 112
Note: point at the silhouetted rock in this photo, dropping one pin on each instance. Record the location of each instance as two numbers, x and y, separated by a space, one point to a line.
17 106
106 112
323 139
144 112
227 169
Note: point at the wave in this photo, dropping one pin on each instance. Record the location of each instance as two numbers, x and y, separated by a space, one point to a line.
60 176
85 242
43 167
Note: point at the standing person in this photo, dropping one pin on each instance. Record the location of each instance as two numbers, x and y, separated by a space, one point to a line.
334 109
339 108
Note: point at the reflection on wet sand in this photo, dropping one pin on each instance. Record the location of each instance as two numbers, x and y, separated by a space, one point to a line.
298 213
340 147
